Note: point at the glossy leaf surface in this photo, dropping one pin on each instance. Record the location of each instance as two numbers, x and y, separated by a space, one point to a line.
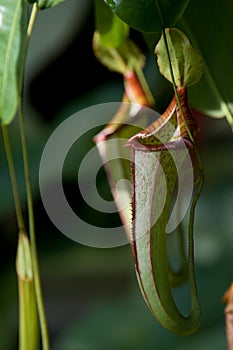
111 44
148 15
112 30
13 27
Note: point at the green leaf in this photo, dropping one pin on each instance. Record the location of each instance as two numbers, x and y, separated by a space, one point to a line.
112 30
209 26
111 44
13 28
185 60
121 59
28 317
46 4
148 15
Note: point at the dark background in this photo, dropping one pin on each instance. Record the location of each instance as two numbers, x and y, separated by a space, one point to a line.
91 295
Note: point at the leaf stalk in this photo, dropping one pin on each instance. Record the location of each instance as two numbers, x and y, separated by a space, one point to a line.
35 262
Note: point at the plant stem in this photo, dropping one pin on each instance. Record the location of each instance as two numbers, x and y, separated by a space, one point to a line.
18 208
35 263
144 84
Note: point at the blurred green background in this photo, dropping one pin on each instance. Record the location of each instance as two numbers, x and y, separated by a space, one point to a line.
91 295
